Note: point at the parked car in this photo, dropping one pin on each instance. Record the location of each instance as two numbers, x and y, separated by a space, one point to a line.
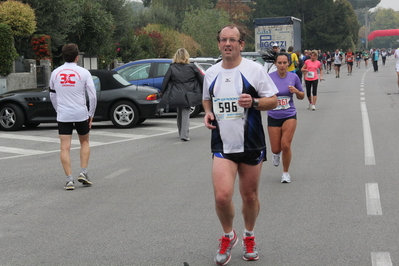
205 62
151 72
126 105
255 56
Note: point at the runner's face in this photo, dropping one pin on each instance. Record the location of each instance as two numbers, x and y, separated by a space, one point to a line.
282 63
313 57
230 44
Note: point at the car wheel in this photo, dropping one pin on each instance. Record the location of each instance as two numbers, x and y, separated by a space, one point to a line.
194 111
11 117
124 114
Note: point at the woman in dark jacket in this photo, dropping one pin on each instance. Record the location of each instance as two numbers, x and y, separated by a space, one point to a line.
181 89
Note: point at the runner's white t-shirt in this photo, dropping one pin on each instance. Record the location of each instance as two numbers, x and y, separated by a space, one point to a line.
70 83
397 59
238 129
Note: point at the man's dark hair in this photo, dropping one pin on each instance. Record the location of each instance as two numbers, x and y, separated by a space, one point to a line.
290 49
243 35
69 52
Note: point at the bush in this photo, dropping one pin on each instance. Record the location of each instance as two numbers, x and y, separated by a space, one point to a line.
19 16
41 46
7 50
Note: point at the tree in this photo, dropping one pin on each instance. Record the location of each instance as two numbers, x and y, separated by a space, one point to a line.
238 11
55 18
20 17
357 4
204 30
156 15
180 7
385 19
7 51
173 40
94 28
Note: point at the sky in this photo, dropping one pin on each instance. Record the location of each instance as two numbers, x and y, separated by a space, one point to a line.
394 4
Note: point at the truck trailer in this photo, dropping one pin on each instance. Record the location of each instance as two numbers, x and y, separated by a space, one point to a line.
282 31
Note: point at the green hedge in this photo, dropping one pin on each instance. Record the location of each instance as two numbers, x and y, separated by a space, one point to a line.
7 50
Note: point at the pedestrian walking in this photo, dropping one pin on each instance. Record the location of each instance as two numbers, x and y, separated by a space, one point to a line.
69 85
282 121
181 89
235 91
375 55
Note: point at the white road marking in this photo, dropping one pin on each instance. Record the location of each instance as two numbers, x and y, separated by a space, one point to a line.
369 158
20 151
117 173
128 137
381 259
373 202
116 135
42 139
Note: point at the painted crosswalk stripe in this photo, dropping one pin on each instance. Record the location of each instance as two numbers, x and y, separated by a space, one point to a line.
20 151
42 139
116 135
373 202
381 259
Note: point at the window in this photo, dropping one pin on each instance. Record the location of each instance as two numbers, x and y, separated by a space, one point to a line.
135 72
97 83
162 69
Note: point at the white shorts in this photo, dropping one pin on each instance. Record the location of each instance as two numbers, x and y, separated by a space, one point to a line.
397 67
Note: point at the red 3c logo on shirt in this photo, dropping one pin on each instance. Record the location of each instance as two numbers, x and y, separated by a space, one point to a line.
66 78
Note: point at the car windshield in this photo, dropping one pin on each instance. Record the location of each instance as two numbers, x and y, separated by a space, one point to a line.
121 79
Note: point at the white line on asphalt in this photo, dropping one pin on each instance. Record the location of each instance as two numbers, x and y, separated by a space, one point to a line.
196 125
41 139
373 202
117 173
20 151
116 135
381 259
369 157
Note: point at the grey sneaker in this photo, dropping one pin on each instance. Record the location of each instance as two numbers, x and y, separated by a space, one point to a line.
223 254
84 179
69 185
276 159
250 250
286 178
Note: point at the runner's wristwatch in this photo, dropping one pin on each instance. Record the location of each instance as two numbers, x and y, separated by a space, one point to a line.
255 103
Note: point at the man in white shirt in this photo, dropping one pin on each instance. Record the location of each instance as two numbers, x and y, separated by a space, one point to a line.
397 63
235 91
69 84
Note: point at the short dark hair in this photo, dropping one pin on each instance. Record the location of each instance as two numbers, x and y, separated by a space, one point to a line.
243 34
69 52
290 49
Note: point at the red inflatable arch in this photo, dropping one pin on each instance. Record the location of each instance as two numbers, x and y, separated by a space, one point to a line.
382 33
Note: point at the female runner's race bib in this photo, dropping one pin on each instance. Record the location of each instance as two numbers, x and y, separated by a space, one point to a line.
227 108
310 74
283 102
